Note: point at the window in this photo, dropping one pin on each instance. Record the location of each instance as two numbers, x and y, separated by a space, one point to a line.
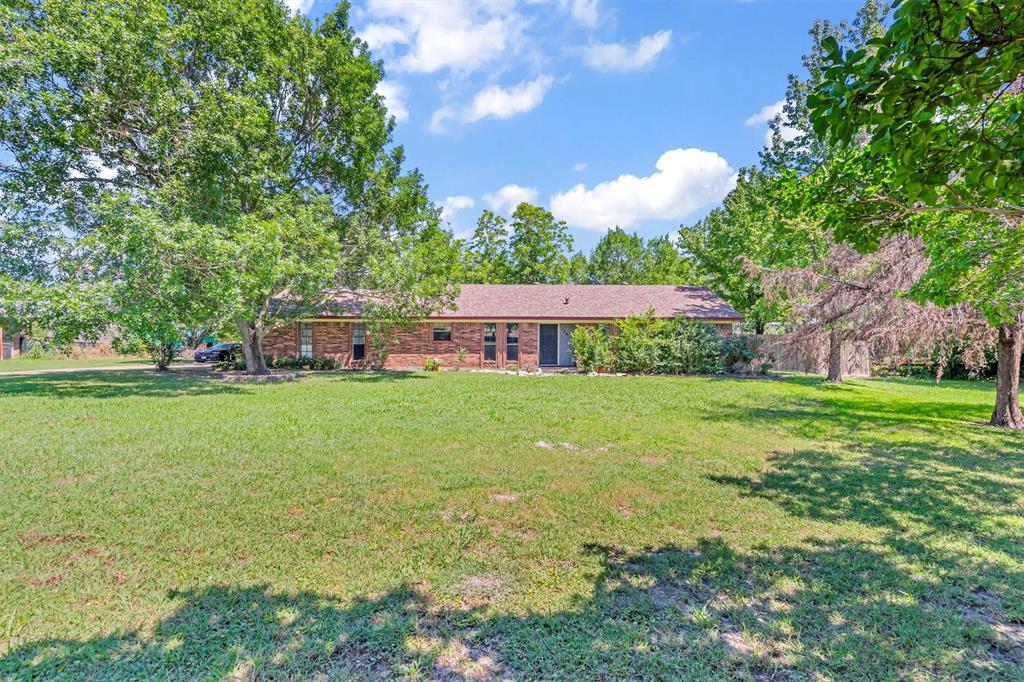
358 341
490 341
512 342
442 332
305 339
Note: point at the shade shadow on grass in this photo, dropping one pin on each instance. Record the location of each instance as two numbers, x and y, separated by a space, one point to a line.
116 384
836 608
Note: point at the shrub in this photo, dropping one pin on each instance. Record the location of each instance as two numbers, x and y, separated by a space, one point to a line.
637 347
432 365
591 347
739 351
689 347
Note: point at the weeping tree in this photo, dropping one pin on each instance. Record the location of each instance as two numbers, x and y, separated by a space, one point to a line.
850 297
928 119
262 130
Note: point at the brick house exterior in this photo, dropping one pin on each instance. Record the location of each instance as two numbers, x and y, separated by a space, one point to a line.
540 317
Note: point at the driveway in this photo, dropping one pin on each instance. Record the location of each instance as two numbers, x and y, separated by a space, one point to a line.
186 366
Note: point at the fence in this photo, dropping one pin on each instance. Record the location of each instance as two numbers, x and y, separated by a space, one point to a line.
786 356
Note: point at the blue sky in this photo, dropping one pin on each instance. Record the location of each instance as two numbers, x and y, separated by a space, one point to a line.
608 113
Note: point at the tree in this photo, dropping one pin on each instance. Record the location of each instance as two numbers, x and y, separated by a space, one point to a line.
262 129
849 296
749 227
539 247
928 117
486 256
622 258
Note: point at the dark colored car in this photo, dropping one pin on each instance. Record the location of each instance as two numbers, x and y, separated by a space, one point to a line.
218 352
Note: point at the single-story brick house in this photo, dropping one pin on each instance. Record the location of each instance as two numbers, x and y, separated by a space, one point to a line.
497 324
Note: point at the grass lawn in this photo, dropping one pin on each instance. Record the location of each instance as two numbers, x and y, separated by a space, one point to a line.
461 525
24 363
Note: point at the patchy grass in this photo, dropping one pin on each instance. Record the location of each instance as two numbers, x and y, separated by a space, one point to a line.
462 526
25 363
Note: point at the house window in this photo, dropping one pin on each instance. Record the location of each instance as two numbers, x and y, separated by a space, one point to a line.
490 341
358 341
512 342
442 332
305 339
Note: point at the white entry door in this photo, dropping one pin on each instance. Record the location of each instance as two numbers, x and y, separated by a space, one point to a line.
566 358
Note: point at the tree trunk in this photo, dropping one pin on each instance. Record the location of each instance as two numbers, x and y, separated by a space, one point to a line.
835 357
1011 342
252 347
163 353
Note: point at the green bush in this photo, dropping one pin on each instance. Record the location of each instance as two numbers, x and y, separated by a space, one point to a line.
739 349
638 345
689 347
432 365
592 349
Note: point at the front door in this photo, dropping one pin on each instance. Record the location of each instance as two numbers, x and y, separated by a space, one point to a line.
549 344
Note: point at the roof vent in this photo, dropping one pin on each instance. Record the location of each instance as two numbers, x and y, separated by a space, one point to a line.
566 302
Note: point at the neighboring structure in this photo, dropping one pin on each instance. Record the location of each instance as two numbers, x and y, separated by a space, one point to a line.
497 325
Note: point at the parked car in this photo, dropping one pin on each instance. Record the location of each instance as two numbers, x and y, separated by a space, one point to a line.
218 353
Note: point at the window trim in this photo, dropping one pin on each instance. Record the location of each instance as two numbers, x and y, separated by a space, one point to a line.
361 353
444 328
511 347
491 346
302 353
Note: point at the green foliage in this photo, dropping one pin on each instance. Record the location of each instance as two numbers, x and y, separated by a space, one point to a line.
486 258
749 228
538 247
263 131
432 365
928 117
739 351
592 348
689 347
623 258
638 345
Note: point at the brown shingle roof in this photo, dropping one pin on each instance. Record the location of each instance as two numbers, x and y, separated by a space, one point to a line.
570 302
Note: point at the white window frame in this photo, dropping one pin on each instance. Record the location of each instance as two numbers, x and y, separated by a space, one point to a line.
443 328
361 328
303 352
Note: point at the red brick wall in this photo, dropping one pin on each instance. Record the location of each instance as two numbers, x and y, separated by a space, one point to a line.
412 347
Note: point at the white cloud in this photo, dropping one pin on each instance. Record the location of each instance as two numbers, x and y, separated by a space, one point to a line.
450 206
378 36
444 34
684 181
506 199
299 6
580 167
768 113
584 12
394 99
495 101
615 57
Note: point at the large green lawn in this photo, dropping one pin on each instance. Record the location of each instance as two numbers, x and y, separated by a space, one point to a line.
24 363
460 525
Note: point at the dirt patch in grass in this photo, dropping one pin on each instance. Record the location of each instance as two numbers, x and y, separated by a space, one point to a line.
32 539
478 590
504 497
51 580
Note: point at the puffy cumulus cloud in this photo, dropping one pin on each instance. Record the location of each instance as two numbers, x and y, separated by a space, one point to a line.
450 206
619 58
684 181
299 6
767 114
442 34
394 99
495 101
506 199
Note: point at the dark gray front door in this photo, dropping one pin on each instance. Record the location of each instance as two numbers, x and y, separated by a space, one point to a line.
549 344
